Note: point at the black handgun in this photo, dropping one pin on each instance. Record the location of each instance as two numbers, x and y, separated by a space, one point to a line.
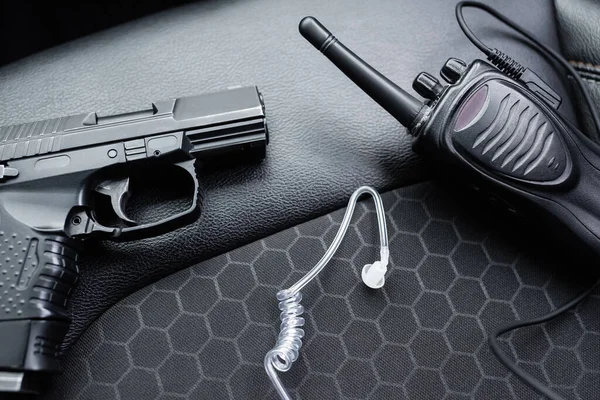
51 174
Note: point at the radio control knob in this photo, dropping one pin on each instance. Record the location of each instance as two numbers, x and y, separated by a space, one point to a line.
453 70
427 86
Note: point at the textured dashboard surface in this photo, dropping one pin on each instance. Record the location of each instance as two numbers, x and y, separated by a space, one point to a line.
327 137
456 272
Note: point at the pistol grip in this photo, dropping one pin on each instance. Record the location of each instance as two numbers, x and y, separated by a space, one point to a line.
37 274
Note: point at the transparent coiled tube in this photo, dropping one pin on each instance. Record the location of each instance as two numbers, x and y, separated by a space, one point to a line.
289 341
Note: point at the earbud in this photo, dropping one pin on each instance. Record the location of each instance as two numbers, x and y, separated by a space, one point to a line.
373 275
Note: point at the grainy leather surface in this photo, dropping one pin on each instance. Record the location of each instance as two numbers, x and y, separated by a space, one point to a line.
327 138
579 29
580 42
591 77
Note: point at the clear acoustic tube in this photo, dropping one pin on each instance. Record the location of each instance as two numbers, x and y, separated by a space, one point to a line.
289 341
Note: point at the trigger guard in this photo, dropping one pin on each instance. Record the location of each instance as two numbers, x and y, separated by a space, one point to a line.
173 222
189 167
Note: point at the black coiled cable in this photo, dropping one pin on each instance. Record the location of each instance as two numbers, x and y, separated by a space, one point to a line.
506 64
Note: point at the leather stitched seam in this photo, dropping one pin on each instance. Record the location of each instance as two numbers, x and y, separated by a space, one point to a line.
590 80
585 64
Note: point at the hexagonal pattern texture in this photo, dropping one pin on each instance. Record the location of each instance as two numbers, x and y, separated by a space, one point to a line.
456 273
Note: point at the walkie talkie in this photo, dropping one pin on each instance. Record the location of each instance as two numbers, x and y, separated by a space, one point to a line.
503 130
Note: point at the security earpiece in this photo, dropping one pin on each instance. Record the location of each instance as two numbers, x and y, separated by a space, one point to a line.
373 275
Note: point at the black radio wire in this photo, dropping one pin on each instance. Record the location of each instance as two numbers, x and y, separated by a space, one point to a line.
536 44
511 365
492 55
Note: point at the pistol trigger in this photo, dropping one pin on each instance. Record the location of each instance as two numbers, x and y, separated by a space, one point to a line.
118 191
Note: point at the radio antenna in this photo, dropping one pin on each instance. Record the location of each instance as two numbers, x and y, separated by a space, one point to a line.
400 104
